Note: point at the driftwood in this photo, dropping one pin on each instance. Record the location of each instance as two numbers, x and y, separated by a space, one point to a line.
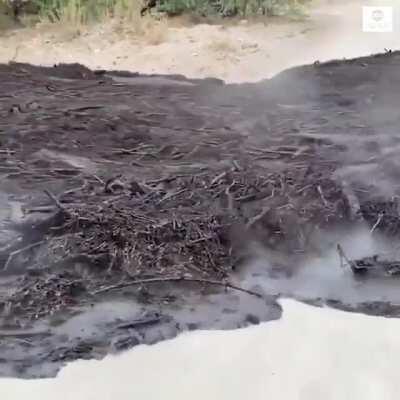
145 321
54 199
374 265
176 279
13 254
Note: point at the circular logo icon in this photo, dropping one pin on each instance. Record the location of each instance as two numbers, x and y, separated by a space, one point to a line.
377 15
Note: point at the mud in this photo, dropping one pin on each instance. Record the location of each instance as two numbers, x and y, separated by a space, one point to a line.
289 161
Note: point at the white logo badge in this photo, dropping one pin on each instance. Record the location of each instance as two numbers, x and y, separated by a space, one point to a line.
377 19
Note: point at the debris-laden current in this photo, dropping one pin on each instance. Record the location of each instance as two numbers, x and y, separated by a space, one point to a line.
155 193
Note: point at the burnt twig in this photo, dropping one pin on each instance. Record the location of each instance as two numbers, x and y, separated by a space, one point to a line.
378 221
175 279
342 256
169 196
231 200
321 193
54 199
19 251
220 176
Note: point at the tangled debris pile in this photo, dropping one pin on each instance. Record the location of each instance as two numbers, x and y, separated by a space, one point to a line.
169 179
189 226
377 265
119 232
383 217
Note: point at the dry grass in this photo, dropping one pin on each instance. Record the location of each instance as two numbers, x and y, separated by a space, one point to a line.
150 31
222 46
78 12
123 20
155 33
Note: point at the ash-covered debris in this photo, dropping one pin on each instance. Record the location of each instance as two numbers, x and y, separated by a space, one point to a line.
377 265
382 215
190 226
44 295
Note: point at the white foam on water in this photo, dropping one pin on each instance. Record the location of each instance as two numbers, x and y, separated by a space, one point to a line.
323 277
309 354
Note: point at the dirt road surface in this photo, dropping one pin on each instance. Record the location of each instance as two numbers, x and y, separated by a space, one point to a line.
245 51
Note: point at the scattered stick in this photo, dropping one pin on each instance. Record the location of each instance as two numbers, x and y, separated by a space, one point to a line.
254 196
54 199
321 193
74 190
98 179
203 239
114 198
43 209
113 183
342 256
258 217
125 151
352 199
167 179
151 320
23 334
169 196
175 279
378 221
219 177
231 200
353 265
236 166
19 251
273 151
84 108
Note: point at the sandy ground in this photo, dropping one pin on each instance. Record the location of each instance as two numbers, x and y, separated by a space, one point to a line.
246 51
309 354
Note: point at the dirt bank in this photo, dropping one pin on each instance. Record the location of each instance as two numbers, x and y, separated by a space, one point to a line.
245 51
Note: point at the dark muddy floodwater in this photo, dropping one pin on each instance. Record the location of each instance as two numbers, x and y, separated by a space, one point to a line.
137 207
